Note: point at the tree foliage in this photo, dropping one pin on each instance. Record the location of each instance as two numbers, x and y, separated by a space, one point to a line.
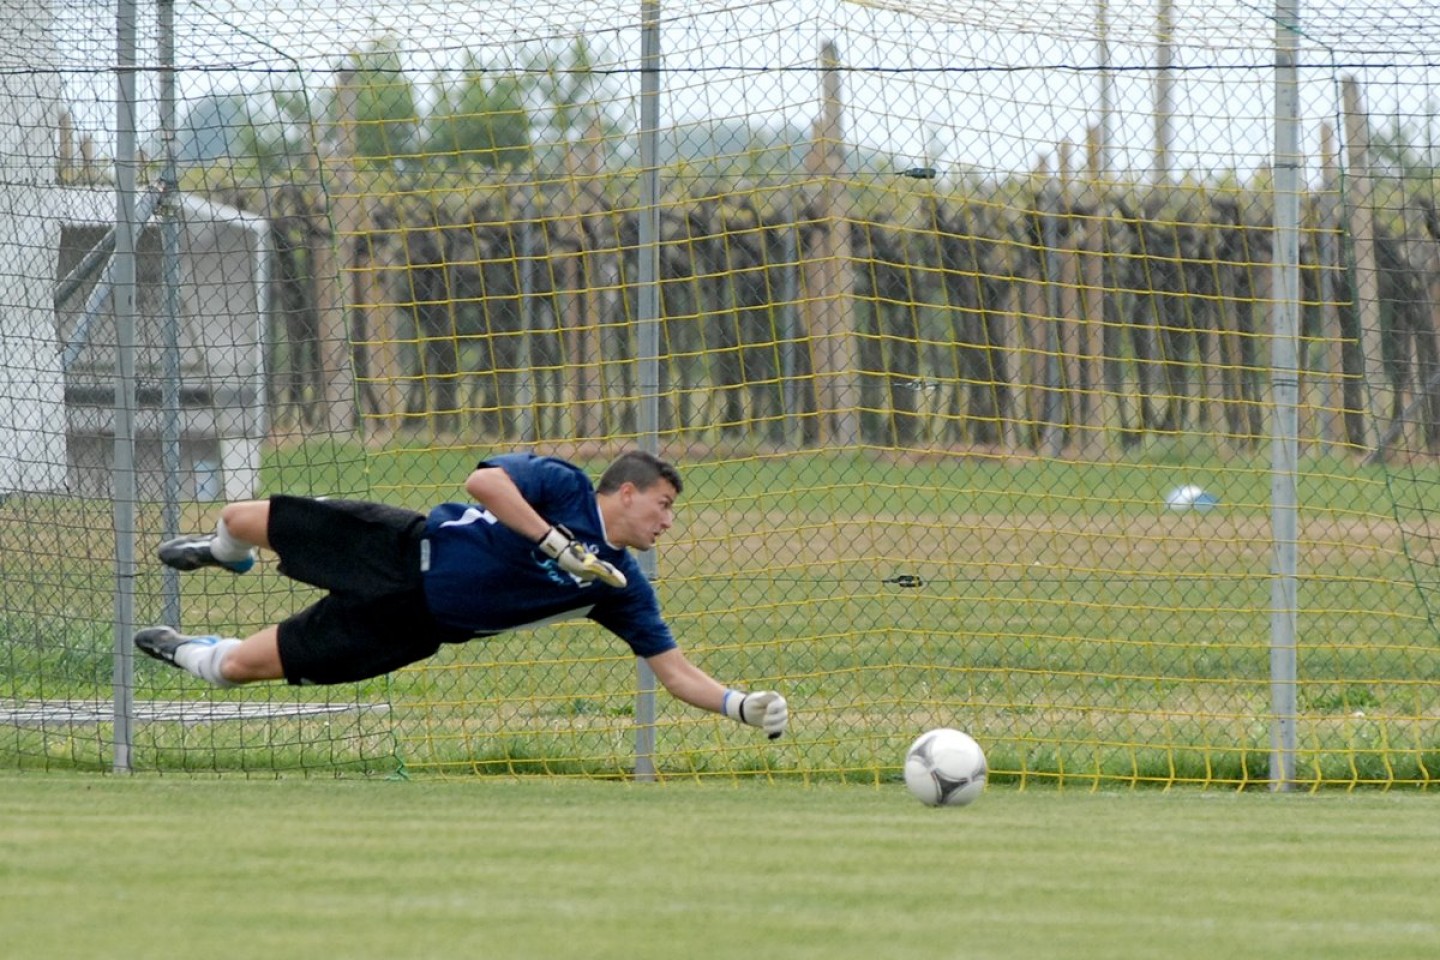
386 117
479 118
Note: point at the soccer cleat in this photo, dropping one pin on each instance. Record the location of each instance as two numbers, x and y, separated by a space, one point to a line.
163 642
193 552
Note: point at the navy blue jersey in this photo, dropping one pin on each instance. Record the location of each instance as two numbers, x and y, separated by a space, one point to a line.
483 577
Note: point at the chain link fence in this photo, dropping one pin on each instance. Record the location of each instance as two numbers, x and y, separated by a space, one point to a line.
1065 373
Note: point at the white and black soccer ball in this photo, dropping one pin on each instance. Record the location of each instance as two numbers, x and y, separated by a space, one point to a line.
945 768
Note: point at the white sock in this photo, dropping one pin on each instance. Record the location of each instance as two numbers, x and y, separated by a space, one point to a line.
203 657
226 546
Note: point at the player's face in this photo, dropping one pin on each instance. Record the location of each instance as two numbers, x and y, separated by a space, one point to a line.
649 513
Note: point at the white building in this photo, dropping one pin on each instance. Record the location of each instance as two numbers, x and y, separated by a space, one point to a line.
220 331
32 435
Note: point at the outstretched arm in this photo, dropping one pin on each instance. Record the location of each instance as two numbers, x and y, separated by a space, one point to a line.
687 682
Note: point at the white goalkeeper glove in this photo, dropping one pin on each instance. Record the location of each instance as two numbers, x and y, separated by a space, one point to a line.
560 545
765 709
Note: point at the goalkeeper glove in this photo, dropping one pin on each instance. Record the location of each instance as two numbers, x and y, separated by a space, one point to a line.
765 709
560 545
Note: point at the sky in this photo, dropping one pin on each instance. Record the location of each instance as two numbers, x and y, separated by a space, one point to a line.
967 88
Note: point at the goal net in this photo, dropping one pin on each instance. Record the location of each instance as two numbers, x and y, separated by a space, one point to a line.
961 325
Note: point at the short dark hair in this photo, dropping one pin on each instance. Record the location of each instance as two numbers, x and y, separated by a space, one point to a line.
640 468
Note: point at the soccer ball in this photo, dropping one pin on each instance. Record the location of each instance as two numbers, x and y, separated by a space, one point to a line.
1191 497
945 768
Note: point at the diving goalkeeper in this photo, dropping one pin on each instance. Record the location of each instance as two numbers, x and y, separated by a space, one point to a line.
539 544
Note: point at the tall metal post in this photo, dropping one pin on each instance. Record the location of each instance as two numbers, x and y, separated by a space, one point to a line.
170 213
1285 380
648 331
123 472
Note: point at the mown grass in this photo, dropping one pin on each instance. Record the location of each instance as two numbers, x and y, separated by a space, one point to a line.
1055 609
124 867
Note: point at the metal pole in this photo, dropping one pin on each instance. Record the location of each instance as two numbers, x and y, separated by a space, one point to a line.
648 331
1285 378
171 209
123 472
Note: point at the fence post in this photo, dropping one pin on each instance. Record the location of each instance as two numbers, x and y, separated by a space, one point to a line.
170 226
1285 377
648 333
123 487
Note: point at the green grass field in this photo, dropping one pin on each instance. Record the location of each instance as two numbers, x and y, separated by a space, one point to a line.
114 868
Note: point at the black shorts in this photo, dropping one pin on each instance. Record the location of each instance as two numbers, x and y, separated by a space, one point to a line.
374 618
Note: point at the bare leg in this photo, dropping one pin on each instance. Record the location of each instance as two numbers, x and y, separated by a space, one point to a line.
257 658
248 520
243 526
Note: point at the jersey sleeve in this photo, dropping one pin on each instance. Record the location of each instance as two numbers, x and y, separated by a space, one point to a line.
633 615
547 483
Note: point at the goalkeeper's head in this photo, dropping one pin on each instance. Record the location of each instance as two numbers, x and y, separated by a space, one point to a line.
640 468
637 495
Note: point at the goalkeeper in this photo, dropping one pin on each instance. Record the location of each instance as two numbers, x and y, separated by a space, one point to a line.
539 544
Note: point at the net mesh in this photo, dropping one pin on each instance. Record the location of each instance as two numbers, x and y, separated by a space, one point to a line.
965 335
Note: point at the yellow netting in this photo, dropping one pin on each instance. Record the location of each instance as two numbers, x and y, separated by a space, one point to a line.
952 304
